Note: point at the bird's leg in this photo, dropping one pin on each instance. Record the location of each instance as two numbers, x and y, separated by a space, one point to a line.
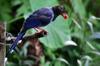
40 30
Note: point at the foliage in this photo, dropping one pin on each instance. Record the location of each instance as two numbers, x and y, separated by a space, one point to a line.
74 42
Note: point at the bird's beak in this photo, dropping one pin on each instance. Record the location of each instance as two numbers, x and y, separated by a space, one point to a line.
65 16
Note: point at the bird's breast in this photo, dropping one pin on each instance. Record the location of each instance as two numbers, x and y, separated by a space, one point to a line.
44 23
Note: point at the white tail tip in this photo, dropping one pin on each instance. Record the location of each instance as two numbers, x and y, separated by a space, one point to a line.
12 51
5 60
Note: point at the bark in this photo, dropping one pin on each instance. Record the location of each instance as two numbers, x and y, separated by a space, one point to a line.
35 49
2 43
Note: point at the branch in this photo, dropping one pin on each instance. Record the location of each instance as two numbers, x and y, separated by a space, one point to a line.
35 36
31 38
35 49
10 38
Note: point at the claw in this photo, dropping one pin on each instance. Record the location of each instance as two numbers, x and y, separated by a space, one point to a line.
41 31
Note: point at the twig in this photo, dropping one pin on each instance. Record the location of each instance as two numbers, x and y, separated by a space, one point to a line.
35 36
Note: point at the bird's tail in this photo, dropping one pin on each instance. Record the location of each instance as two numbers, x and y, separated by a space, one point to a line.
14 44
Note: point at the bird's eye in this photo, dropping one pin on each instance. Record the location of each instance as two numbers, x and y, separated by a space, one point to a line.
61 8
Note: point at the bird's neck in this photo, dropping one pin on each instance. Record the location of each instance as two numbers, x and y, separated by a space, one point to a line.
56 13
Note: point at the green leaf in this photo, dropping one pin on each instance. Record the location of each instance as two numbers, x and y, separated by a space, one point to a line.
5 10
10 64
25 8
58 33
41 3
79 8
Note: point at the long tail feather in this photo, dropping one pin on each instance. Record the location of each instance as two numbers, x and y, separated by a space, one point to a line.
14 44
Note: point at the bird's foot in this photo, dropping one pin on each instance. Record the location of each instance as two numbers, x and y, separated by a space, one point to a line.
43 32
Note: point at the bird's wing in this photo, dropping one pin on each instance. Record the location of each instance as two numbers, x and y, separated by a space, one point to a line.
43 14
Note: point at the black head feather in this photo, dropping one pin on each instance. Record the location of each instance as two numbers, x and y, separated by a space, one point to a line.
58 10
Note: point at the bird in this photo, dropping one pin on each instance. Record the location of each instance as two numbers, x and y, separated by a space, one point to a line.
39 18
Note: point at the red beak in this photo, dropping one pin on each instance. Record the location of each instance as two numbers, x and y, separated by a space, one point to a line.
65 16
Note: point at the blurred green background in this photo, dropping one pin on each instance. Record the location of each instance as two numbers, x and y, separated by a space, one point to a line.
72 42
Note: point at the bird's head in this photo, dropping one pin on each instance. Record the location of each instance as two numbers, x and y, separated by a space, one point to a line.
60 10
